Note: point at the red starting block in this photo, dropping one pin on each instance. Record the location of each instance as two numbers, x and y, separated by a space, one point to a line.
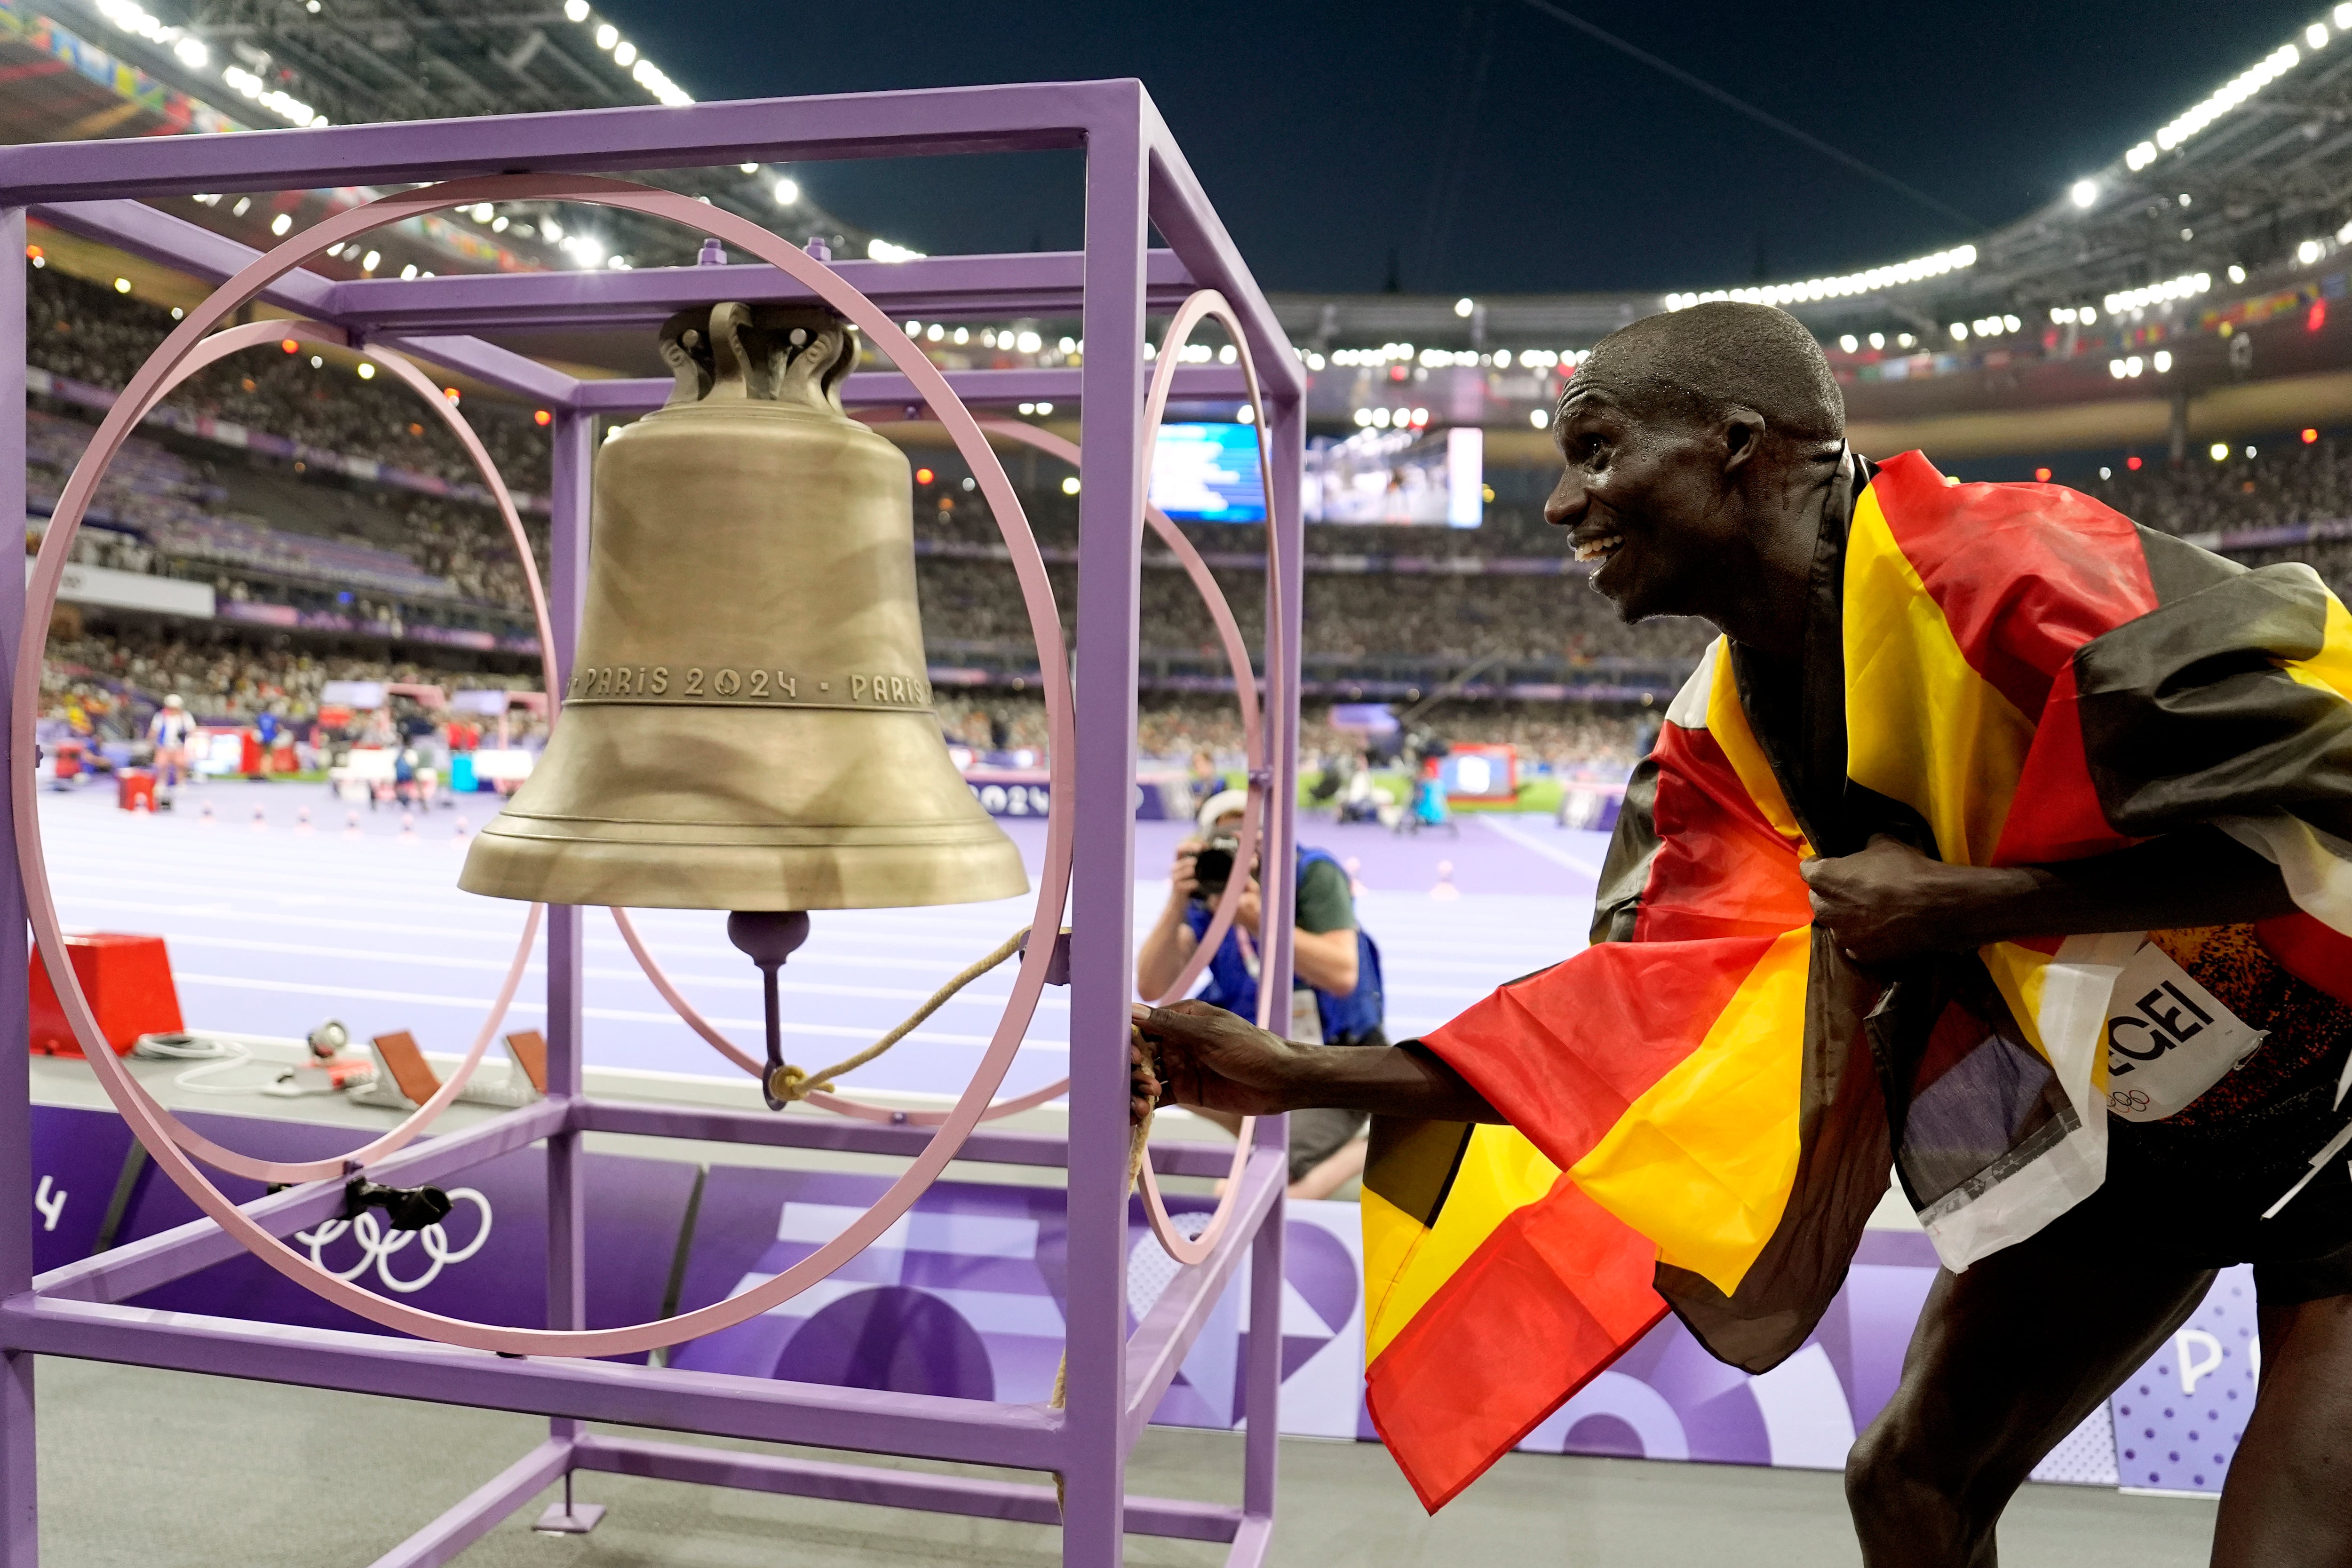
128 979
132 787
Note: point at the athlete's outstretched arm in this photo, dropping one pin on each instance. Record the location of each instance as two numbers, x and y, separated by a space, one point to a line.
1890 902
1208 1058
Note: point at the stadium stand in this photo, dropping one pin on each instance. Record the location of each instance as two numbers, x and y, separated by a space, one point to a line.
318 504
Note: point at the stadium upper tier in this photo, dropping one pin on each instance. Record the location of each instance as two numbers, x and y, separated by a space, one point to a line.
312 500
2183 291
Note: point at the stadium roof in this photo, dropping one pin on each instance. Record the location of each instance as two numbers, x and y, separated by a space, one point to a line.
88 69
2256 178
2250 185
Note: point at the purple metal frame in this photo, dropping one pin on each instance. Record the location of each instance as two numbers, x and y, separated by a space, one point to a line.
1136 179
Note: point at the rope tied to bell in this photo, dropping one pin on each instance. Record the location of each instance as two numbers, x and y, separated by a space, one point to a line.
789 1083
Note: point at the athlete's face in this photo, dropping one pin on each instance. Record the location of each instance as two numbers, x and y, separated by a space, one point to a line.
1644 497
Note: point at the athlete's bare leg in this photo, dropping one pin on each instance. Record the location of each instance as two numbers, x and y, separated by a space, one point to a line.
2288 1501
2007 1358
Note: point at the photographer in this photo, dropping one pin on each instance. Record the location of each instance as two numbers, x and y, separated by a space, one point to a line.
1336 998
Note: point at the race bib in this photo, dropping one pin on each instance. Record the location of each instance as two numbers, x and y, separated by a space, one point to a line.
2169 1039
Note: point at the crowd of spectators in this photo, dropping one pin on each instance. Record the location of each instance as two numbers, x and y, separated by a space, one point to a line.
225 676
166 512
81 330
2297 482
1172 726
1349 611
1347 614
383 561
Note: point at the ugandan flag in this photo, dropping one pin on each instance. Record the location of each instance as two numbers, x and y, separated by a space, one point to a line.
1703 1104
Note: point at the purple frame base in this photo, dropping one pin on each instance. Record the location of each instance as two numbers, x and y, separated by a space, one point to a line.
1135 179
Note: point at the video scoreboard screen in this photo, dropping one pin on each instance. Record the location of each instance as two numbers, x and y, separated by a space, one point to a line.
1434 478
1208 474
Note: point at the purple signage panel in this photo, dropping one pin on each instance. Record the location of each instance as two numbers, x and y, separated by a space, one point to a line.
1028 792
76 1161
2179 1417
488 1261
962 1296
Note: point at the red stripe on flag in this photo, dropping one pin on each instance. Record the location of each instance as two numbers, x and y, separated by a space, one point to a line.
1559 1291
1562 1053
2311 951
2025 574
2062 820
1721 869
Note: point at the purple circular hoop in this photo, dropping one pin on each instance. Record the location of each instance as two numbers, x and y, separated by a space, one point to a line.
65 524
1053 891
1208 302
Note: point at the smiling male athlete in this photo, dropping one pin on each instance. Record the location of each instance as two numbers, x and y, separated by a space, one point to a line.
1998 841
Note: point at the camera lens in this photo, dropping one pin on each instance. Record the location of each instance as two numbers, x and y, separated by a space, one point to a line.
1213 866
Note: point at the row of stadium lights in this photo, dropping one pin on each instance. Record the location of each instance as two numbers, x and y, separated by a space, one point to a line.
191 52
2084 194
1030 342
1025 343
1366 418
1844 286
1389 354
2272 67
627 55
581 248
1011 340
2186 287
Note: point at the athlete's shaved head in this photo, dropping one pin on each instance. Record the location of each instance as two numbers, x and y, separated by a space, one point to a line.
1700 445
1718 356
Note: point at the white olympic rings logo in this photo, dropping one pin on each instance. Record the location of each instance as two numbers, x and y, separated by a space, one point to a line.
379 1244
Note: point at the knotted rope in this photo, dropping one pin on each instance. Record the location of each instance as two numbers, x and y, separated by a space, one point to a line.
792 1083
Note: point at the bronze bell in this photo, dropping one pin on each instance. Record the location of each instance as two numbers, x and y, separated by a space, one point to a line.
747 725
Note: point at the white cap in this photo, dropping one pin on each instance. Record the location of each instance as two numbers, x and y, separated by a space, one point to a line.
173 701
1223 803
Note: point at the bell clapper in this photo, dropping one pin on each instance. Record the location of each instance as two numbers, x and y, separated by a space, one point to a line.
768 937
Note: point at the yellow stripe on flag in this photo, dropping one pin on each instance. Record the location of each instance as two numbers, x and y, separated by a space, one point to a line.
2330 669
2019 972
1727 720
1922 727
1704 1161
1404 1265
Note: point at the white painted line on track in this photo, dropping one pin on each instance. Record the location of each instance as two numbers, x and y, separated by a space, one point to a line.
1529 839
616 1015
499 965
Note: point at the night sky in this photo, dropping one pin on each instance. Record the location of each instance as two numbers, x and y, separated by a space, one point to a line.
1477 146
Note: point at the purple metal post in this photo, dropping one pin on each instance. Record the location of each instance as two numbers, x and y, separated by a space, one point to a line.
20 1544
1102 891
1262 1379
446 1538
569 492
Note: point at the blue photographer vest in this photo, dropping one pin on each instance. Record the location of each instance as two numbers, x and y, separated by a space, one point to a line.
1234 987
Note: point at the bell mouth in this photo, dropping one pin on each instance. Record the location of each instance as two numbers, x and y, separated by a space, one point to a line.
705 866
